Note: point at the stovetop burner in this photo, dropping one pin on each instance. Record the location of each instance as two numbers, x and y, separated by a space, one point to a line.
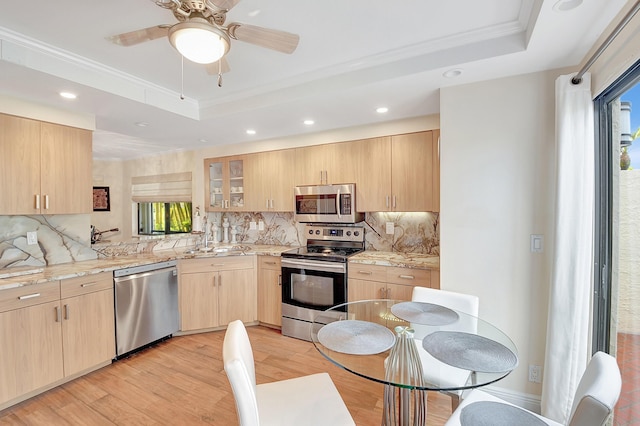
330 243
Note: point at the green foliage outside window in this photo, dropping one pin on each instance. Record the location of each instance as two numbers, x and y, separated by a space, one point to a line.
164 218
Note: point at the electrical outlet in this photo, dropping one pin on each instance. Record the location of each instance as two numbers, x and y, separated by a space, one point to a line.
537 243
390 228
253 226
32 238
535 373
260 226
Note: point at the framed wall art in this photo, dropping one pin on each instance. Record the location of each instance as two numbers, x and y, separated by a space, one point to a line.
101 202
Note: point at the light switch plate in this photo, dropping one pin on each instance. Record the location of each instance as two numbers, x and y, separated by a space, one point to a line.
32 238
390 228
537 243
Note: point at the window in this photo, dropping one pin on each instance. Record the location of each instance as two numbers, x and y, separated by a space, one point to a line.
616 313
164 218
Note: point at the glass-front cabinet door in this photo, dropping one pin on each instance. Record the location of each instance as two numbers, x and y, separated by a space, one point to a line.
225 183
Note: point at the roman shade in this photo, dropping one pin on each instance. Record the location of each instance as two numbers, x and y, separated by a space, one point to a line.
172 187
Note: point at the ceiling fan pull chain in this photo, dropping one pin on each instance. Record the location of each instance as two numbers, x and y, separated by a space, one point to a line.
181 77
220 72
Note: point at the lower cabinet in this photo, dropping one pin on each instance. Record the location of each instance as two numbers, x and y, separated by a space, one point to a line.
44 338
270 290
215 291
385 282
88 328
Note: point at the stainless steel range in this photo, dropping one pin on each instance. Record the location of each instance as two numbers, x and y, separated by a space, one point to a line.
314 277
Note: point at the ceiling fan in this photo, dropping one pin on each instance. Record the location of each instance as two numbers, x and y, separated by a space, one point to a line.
201 35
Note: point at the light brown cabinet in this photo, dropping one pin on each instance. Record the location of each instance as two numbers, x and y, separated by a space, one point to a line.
31 340
385 282
46 338
215 291
324 164
225 183
45 168
271 179
88 330
270 290
397 173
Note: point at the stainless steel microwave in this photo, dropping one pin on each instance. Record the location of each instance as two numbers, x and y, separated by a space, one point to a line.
327 204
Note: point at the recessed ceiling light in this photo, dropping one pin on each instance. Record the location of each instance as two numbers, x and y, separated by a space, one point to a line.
202 140
68 95
251 132
452 73
254 12
566 5
308 122
142 124
382 110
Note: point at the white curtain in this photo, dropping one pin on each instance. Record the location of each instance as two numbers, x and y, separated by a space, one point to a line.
568 326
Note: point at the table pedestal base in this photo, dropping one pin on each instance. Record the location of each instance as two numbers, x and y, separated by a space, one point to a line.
404 407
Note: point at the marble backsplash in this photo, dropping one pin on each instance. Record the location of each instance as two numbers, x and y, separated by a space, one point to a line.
66 238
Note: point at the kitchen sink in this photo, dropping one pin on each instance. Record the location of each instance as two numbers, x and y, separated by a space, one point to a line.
212 251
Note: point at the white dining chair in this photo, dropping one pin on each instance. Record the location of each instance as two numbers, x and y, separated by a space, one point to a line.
593 403
438 372
307 400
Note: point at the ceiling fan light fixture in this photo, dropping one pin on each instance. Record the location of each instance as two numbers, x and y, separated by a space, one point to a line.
199 42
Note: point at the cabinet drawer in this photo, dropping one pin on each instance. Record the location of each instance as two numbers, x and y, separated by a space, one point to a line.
363 271
409 276
209 264
86 284
20 297
269 262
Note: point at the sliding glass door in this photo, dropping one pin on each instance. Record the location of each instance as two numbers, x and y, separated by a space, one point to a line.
617 237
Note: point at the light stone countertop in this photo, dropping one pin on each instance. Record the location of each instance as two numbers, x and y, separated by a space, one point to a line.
405 260
19 277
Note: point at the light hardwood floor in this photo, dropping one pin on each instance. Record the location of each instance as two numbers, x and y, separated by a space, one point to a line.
182 382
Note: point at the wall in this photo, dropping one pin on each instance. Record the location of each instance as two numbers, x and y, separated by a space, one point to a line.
496 185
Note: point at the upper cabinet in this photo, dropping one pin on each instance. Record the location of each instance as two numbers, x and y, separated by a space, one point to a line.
271 179
324 164
225 183
397 173
45 168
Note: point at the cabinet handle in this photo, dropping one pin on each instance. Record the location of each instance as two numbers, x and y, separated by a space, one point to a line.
394 201
57 313
271 202
219 280
267 200
214 280
29 296
88 284
66 312
321 181
407 277
387 201
38 201
365 272
46 202
280 280
226 204
382 293
388 293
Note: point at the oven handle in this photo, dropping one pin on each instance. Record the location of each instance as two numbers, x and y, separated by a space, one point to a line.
314 265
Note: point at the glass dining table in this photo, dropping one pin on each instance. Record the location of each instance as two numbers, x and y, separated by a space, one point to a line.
413 348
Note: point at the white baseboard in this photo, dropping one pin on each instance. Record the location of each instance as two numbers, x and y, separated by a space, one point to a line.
524 400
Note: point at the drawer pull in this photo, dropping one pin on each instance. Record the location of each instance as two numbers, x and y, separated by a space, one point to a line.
217 264
407 277
88 284
270 263
365 272
29 296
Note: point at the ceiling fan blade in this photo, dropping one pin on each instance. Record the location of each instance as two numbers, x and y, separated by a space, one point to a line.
223 5
140 36
281 41
212 69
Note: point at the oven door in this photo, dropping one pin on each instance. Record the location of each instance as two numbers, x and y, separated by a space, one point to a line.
313 284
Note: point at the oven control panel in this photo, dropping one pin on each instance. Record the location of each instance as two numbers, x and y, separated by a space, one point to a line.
335 233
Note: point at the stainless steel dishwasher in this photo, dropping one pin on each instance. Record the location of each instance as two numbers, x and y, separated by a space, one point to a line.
146 305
